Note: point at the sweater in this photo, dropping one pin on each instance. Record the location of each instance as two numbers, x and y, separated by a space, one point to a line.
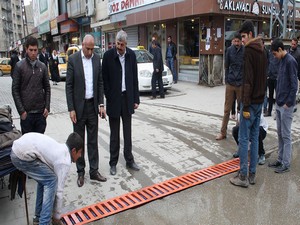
287 82
254 75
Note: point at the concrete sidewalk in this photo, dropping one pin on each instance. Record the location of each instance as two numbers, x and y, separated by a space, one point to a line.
273 200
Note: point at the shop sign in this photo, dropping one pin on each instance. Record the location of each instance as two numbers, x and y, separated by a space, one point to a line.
54 27
68 26
255 7
44 27
117 6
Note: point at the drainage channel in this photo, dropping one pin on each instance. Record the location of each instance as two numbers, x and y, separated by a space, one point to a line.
148 194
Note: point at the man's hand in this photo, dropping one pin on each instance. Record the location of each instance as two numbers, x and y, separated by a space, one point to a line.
24 116
45 114
56 221
102 112
246 115
73 116
135 106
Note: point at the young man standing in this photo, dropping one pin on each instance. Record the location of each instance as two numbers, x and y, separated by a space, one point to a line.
285 101
31 90
171 52
158 68
253 93
233 80
48 163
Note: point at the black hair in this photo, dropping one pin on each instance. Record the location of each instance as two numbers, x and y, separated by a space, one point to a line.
276 44
170 37
247 27
31 41
75 141
154 42
295 39
237 35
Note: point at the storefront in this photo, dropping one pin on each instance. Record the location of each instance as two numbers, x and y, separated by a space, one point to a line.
203 31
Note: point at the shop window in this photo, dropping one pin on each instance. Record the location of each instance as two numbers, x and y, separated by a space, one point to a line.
188 45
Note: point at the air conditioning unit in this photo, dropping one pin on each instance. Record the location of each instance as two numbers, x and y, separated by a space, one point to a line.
90 8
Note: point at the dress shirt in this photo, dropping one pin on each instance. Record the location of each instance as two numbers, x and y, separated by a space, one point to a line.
122 61
32 146
88 75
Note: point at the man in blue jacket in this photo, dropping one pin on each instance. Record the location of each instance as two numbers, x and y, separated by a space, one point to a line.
285 101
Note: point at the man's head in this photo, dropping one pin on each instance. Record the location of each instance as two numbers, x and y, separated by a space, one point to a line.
170 39
237 40
277 48
121 42
247 31
154 44
43 50
294 43
88 44
75 144
31 46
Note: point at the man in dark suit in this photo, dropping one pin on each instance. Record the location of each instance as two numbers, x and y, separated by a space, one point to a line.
84 92
43 56
158 68
119 70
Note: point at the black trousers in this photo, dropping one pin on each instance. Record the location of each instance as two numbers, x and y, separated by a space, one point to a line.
114 124
157 77
261 137
34 122
272 86
88 121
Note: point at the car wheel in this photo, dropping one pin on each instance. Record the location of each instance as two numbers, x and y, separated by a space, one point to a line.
1 73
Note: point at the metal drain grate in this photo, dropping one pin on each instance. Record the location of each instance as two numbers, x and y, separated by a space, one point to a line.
148 194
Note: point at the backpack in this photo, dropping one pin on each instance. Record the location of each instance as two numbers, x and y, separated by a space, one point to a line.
8 132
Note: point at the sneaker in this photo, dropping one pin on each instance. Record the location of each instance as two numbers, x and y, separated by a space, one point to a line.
236 154
36 220
275 164
261 160
240 180
252 178
282 169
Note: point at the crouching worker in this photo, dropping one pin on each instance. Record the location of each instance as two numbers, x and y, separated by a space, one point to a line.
48 162
263 127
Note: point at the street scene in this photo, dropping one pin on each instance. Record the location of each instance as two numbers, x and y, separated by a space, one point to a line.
171 137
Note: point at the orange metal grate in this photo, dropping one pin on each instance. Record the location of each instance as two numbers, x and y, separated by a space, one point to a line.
148 194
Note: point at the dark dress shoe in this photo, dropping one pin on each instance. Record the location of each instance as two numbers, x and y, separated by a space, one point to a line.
133 166
97 176
80 180
113 170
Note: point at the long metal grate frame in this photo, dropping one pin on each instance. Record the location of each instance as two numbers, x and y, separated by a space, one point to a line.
148 194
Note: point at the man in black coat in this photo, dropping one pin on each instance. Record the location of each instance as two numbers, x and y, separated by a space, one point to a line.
158 68
13 61
84 92
120 77
44 57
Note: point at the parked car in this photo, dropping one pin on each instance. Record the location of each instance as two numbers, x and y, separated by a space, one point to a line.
5 68
145 69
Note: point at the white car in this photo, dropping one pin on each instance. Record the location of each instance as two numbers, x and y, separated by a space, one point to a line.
145 69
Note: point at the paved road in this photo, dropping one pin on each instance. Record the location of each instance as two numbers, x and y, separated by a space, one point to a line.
171 137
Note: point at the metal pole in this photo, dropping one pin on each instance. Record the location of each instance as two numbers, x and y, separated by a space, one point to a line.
271 20
285 16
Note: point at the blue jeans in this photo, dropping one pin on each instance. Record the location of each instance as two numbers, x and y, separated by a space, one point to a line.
46 188
284 118
170 64
249 130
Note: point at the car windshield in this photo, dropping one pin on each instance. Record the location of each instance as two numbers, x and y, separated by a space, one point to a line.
143 56
61 60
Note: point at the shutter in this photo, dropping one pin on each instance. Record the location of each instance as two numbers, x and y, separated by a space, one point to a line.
133 36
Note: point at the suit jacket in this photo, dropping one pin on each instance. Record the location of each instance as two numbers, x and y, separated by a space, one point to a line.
112 78
44 59
75 83
157 59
